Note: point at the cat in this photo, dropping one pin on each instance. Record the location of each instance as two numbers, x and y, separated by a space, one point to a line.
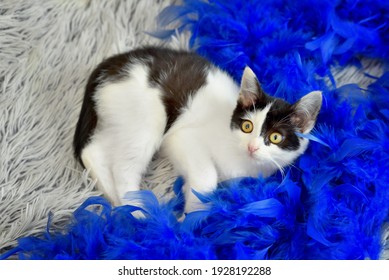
211 128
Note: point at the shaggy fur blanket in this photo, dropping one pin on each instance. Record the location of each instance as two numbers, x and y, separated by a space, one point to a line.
331 204
47 52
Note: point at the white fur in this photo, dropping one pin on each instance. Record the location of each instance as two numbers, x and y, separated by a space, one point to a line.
131 123
201 134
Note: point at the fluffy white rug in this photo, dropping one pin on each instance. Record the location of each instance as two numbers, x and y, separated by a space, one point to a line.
47 51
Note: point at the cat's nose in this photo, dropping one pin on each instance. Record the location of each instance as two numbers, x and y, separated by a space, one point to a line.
252 148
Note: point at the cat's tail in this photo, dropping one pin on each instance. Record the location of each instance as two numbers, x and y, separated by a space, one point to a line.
88 119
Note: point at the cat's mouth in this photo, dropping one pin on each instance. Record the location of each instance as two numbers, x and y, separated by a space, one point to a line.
253 156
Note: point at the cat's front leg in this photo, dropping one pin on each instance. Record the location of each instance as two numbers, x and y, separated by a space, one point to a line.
203 181
203 184
192 160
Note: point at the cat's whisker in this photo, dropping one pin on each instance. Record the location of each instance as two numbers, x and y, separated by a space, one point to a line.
279 166
293 165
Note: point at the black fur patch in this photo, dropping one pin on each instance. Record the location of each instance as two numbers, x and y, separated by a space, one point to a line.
179 74
240 110
278 119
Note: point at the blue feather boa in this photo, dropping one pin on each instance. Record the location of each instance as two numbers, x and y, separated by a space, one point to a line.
334 201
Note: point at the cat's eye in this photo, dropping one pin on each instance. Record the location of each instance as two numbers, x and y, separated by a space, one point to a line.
247 126
276 138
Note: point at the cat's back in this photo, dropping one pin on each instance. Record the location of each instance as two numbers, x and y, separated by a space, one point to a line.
173 69
147 75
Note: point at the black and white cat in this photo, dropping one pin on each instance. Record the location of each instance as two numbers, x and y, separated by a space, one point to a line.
210 128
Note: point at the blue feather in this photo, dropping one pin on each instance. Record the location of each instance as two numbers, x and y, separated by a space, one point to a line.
331 204
312 138
270 208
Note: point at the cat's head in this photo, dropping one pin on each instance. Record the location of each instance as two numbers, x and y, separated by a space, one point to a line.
266 127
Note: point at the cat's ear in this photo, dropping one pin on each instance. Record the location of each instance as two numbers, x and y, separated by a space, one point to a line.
250 89
306 111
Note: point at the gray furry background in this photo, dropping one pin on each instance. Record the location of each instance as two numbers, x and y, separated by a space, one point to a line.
48 48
